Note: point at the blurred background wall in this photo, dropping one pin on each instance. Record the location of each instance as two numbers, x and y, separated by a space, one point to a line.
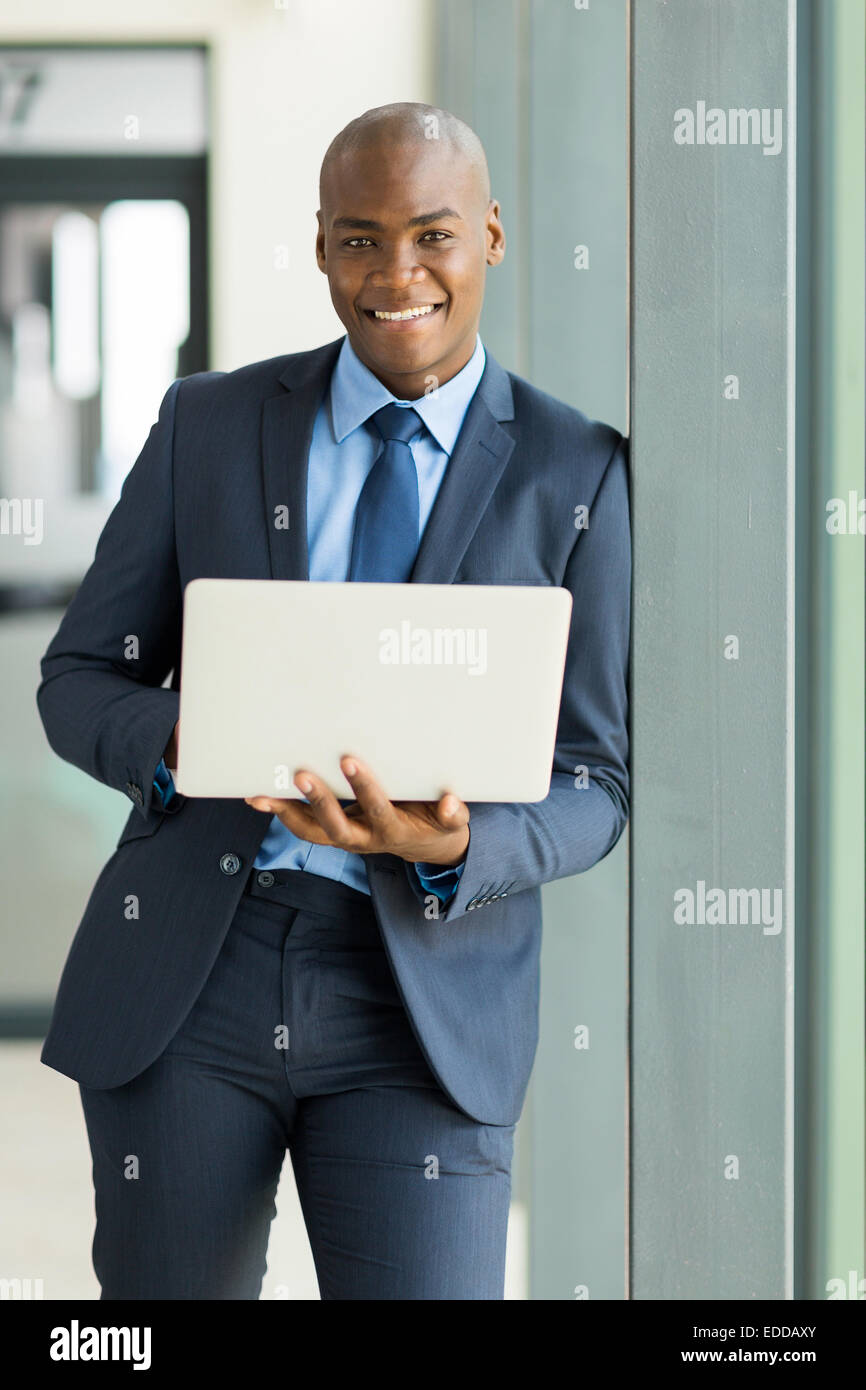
158 217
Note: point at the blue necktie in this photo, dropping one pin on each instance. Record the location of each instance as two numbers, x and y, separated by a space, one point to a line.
385 538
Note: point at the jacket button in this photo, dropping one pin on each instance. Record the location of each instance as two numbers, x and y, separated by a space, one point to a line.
265 879
230 863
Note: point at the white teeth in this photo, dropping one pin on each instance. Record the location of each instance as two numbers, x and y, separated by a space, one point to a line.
416 313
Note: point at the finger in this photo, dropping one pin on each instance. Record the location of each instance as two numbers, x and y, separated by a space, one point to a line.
323 804
295 816
376 807
451 812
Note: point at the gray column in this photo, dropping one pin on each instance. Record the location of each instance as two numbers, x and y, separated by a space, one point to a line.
712 973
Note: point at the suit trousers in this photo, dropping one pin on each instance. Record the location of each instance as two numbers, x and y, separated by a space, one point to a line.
298 1041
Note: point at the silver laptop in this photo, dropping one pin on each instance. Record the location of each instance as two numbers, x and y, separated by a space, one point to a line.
437 687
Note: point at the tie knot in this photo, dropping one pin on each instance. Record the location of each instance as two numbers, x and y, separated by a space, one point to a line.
398 422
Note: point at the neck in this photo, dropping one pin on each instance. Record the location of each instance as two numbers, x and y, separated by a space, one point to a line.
413 386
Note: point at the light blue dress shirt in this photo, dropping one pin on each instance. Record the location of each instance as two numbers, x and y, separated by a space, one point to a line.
343 449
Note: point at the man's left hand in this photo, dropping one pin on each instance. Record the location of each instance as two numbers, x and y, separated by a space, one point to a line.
422 832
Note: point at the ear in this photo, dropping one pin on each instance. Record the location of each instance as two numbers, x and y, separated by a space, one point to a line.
495 234
320 243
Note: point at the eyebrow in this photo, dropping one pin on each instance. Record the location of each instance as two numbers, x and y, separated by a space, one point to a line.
367 225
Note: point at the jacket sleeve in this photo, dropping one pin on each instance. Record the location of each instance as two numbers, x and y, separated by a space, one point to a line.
514 847
101 699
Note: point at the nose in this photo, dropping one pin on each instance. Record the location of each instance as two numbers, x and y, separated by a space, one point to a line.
397 269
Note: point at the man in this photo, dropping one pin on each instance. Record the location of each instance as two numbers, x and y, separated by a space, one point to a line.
351 980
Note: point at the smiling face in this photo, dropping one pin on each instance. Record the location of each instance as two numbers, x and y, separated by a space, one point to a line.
406 233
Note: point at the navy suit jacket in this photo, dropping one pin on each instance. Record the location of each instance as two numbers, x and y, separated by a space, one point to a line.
227 450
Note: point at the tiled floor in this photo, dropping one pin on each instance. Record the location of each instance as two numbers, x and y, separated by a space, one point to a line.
46 1197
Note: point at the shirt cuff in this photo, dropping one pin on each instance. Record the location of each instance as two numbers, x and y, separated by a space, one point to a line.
164 783
441 881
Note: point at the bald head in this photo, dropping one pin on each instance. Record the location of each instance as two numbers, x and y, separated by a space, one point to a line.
402 124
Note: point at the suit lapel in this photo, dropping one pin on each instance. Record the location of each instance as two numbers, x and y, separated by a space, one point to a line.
287 429
482 450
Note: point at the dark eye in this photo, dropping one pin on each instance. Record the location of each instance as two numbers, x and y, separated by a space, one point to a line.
443 235
354 240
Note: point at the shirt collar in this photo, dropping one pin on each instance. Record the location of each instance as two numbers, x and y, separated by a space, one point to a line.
356 393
